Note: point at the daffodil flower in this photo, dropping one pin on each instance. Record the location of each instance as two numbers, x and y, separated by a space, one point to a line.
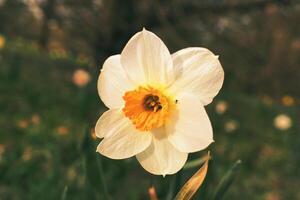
156 103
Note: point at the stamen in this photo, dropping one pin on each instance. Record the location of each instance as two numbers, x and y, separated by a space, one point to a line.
152 103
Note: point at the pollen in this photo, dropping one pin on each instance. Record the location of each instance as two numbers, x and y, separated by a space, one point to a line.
146 107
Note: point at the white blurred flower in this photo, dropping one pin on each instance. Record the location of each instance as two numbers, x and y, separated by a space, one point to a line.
35 119
223 23
231 126
2 2
156 103
246 19
35 9
282 122
98 3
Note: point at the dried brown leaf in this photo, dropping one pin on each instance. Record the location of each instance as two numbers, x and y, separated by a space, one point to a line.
194 183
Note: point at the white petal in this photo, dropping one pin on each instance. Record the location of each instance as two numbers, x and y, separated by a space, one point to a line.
189 128
108 123
124 140
199 72
161 158
113 82
147 60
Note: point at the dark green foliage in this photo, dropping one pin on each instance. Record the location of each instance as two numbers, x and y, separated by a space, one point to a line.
55 158
38 160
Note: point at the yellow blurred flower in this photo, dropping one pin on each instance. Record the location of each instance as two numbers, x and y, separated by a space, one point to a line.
2 42
288 100
23 123
231 126
271 9
152 193
295 44
81 180
220 149
267 100
27 154
81 77
71 174
221 107
35 119
58 53
269 151
82 58
62 130
282 122
272 196
2 150
93 134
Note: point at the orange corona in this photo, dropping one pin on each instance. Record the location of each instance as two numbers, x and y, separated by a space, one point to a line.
146 107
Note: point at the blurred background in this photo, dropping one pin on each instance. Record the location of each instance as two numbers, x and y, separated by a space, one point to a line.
51 52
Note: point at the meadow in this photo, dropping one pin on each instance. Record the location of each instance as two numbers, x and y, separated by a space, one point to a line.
49 106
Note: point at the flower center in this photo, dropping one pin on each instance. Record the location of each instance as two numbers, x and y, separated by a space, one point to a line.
151 102
146 107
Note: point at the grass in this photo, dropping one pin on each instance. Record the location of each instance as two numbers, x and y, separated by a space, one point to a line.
39 158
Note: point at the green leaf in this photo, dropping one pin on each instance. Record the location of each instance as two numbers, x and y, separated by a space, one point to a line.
226 181
194 163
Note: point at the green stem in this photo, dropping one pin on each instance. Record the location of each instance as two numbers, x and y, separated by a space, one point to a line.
64 193
102 179
226 181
